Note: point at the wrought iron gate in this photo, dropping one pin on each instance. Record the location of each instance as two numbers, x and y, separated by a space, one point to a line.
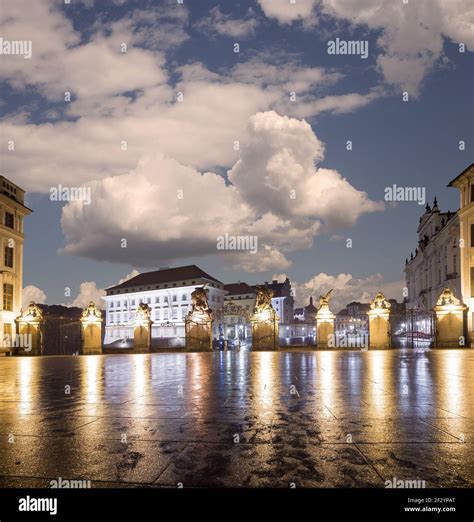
413 329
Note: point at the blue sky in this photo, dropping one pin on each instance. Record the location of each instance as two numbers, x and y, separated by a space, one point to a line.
231 96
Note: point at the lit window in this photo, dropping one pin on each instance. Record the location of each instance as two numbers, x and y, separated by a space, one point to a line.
9 257
7 297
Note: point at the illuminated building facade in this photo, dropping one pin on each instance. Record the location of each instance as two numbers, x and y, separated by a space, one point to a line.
465 290
436 262
352 320
168 293
12 214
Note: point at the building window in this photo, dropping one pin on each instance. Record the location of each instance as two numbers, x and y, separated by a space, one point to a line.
165 299
9 220
175 298
9 257
472 281
472 235
7 297
157 299
472 193
183 298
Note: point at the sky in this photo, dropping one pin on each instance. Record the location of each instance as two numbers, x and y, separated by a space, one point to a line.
188 121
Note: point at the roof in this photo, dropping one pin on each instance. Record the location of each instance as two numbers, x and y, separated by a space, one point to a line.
452 182
167 275
238 289
278 288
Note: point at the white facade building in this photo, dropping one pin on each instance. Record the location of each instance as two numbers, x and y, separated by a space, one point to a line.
168 293
12 214
436 263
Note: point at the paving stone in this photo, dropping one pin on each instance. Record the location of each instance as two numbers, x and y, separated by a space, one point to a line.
269 419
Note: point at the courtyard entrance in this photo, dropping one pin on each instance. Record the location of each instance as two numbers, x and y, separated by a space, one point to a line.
413 329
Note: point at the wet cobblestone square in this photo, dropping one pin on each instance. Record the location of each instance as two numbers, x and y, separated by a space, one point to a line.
268 419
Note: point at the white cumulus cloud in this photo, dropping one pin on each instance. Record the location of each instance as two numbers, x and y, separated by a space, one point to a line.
163 210
32 294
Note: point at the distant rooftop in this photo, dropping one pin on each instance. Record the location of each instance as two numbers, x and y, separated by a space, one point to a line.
168 275
238 289
12 191
452 183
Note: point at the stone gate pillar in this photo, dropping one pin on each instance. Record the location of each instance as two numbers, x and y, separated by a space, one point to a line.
142 329
198 323
379 323
325 324
29 340
91 323
264 322
449 321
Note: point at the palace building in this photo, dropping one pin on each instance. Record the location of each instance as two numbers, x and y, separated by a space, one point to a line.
12 214
465 183
168 293
435 264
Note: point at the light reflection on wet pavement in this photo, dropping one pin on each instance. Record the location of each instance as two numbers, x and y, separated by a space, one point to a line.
269 419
